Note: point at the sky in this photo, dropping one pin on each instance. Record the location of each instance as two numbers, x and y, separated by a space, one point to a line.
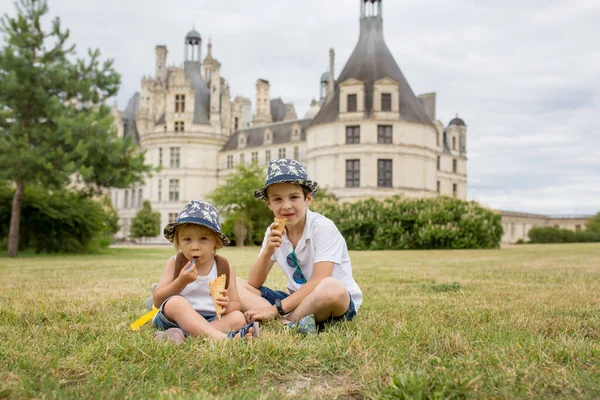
524 75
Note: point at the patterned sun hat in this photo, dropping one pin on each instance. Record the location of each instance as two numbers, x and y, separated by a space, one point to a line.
200 213
289 171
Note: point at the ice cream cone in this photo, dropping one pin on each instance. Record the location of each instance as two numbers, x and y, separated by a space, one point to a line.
216 286
280 223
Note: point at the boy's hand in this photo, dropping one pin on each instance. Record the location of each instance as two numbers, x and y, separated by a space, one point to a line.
223 301
261 314
186 276
274 239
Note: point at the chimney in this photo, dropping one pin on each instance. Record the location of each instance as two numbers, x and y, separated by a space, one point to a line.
331 74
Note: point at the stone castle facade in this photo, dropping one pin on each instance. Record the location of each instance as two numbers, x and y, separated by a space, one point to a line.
368 135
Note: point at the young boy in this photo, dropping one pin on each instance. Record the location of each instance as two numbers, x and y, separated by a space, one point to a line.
311 252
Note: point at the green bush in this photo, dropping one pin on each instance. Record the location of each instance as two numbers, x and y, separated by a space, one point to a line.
399 223
56 222
556 235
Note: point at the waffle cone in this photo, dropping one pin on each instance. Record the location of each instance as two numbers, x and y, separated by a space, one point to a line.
280 223
216 286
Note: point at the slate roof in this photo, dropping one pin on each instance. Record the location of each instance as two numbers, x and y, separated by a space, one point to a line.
277 109
129 115
370 61
193 73
282 133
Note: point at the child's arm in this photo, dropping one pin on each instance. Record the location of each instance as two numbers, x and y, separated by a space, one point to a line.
261 267
167 286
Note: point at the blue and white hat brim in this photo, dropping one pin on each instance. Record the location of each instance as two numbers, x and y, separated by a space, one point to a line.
261 194
169 230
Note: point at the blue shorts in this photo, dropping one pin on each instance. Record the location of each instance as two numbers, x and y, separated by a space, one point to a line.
271 295
163 323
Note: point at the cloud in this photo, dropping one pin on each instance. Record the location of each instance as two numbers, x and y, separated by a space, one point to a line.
523 75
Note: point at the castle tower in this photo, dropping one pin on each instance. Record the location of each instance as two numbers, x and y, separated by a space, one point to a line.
208 62
263 103
193 46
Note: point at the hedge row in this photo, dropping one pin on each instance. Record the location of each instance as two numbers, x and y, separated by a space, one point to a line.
556 235
406 223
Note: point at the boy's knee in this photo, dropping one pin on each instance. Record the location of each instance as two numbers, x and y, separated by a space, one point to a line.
175 303
331 291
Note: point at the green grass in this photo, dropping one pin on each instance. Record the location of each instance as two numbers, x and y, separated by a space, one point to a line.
522 322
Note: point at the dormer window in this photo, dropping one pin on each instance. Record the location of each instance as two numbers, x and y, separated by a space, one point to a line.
267 136
386 102
352 103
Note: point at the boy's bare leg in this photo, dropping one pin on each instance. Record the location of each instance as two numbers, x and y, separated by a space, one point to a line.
250 297
229 322
330 297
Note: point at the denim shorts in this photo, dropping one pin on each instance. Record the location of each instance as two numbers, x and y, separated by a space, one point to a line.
163 323
271 295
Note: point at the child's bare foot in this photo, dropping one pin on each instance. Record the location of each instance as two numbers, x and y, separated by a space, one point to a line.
248 332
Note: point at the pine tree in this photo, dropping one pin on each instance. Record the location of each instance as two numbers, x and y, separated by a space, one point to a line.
146 222
54 123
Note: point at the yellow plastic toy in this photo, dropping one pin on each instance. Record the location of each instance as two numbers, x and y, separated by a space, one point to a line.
143 319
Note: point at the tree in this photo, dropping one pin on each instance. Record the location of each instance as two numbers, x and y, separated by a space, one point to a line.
146 222
235 200
54 123
593 225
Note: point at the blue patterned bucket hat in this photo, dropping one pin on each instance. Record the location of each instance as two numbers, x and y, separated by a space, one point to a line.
289 171
200 213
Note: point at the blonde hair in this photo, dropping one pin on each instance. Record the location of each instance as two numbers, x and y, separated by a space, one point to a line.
203 231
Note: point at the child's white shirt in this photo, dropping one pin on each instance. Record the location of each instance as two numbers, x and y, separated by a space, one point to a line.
198 292
321 241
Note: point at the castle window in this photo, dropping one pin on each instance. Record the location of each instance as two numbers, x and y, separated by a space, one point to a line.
454 189
282 153
236 122
255 156
577 228
384 173
173 189
438 186
173 218
179 126
353 134
126 200
159 190
140 197
454 166
175 156
179 103
229 161
160 157
437 139
386 102
352 103
439 163
352 173
296 153
384 134
116 203
453 142
242 159
132 204
267 156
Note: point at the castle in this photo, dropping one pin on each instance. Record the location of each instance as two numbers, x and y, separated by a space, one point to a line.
368 135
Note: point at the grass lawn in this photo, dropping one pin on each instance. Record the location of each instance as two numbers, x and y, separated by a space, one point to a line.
521 322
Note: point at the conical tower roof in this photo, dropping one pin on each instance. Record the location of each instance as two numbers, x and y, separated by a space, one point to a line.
370 61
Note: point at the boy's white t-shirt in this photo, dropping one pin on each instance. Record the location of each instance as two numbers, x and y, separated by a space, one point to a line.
198 292
320 241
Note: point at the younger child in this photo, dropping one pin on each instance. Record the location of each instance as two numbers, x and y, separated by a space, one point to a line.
185 306
311 252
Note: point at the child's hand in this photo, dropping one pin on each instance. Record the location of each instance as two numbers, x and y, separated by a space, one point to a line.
223 301
274 239
188 274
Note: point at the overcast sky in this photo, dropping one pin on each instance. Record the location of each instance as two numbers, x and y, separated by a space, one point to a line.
524 75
